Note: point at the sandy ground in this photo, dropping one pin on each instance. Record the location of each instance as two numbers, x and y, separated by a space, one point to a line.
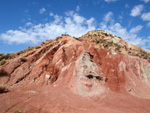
49 99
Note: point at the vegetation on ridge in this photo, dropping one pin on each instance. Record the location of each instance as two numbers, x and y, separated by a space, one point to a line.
97 36
109 45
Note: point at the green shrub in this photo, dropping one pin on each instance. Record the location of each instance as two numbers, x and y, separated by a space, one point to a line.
145 57
137 54
117 46
28 49
19 52
12 55
3 62
96 40
65 35
42 43
77 39
106 46
111 35
1 54
37 47
119 51
142 54
59 37
7 56
23 59
101 41
110 43
105 34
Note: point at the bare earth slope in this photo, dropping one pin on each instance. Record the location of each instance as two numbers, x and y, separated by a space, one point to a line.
93 74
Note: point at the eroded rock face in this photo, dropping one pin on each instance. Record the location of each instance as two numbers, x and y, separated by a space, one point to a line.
89 79
89 70
64 72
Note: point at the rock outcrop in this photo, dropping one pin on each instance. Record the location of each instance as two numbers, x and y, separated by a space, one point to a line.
97 73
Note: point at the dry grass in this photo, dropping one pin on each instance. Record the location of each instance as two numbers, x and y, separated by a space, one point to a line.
2 62
17 111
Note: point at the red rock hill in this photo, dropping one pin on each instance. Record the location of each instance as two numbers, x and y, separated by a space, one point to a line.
96 73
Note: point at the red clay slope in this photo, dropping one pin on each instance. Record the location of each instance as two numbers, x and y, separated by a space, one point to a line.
72 76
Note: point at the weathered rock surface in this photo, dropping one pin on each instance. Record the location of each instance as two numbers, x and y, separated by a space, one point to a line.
77 76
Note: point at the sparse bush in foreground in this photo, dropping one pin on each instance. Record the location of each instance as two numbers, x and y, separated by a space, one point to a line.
3 73
17 111
2 89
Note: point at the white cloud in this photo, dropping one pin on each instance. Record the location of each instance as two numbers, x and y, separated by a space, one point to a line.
57 19
110 1
28 23
149 37
118 30
78 19
51 14
136 29
73 24
137 10
148 24
78 8
146 16
146 1
42 10
108 17
129 36
91 21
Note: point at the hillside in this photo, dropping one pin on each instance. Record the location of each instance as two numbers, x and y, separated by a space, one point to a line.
96 73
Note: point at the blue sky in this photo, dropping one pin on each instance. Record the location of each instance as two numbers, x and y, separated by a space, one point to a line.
26 23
